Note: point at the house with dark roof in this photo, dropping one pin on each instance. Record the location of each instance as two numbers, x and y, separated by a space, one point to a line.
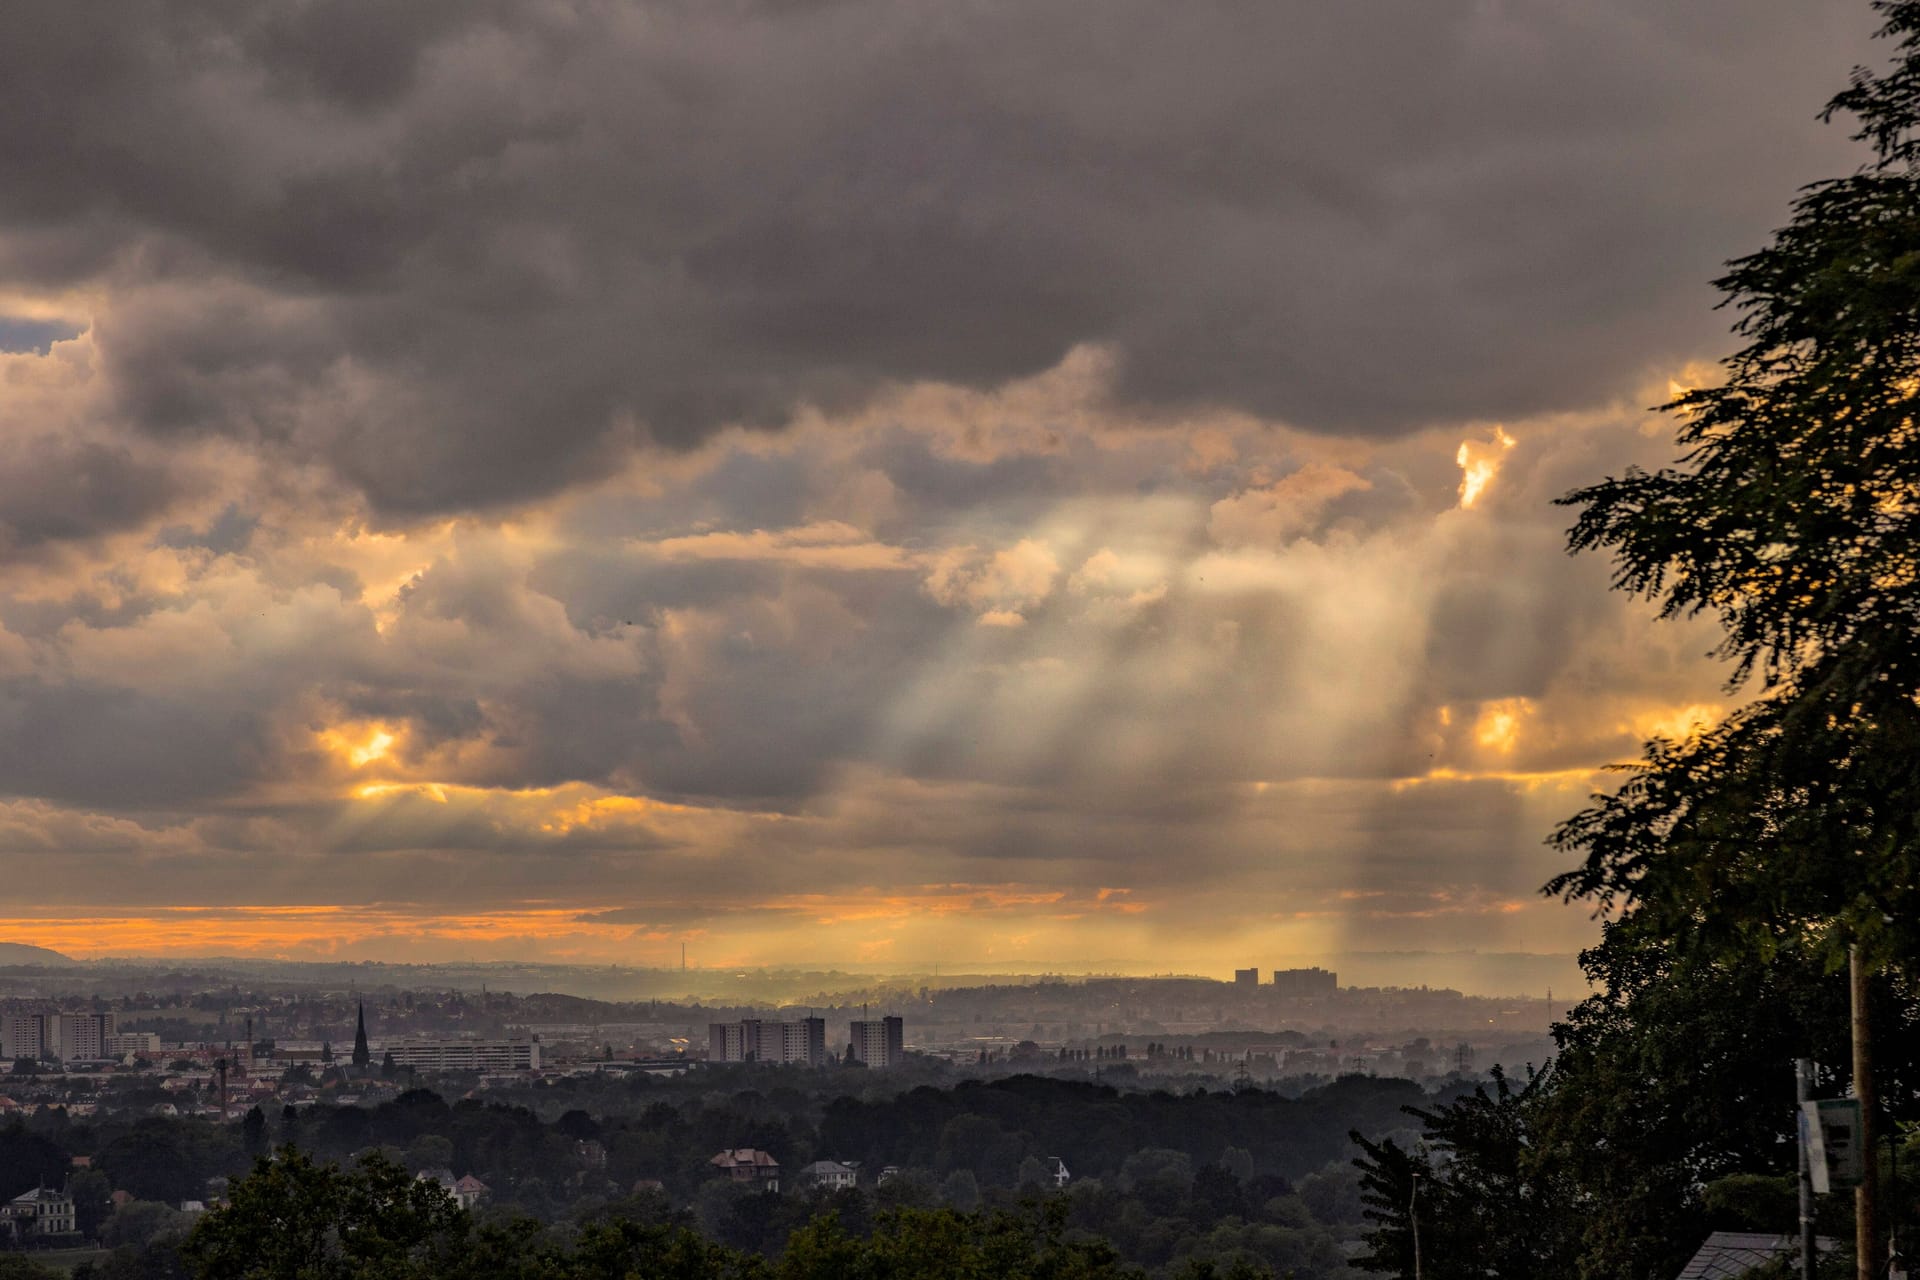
749 1167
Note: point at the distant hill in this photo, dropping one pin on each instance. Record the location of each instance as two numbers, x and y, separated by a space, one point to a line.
22 953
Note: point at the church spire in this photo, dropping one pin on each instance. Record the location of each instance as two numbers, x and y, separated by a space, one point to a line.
362 1056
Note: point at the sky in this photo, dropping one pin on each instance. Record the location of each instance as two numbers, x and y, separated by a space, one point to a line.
879 482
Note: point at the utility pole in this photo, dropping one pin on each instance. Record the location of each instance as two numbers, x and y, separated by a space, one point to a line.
1802 1093
1866 1241
1413 1216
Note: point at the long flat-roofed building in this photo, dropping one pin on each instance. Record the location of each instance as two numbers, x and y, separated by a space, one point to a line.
122 1043
464 1055
1305 982
802 1041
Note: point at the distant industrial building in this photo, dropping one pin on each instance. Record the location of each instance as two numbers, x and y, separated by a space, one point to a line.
802 1041
878 1042
1305 982
1246 977
465 1055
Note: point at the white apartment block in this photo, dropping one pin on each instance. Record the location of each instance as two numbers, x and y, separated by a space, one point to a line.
878 1042
80 1037
463 1055
122 1043
803 1041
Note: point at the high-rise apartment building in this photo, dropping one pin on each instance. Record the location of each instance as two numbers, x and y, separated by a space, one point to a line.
803 1041
23 1035
878 1042
67 1037
1246 977
79 1037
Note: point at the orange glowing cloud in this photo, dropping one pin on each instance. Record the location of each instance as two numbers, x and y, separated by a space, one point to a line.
1479 462
1500 723
360 744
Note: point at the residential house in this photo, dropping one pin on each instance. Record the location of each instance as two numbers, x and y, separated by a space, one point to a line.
829 1175
467 1191
749 1167
39 1212
1735 1253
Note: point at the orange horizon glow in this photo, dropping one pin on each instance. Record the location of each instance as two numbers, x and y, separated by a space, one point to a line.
1002 922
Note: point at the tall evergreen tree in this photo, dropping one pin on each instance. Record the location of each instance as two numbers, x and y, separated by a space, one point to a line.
362 1056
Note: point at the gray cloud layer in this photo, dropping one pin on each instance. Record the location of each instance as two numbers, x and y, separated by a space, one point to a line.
466 253
372 514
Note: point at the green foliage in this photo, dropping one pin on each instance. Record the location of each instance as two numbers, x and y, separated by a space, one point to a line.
168 1160
1668 1113
28 1160
1333 1194
295 1218
990 1126
961 1191
1493 1204
940 1245
141 1222
1794 518
1751 1201
14 1266
92 1194
1239 1162
1739 866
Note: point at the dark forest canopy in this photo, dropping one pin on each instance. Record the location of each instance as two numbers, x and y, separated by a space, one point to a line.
1166 1179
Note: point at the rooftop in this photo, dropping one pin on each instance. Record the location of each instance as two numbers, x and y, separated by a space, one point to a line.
1729 1254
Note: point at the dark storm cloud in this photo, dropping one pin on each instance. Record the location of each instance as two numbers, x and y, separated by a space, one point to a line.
467 253
54 490
122 748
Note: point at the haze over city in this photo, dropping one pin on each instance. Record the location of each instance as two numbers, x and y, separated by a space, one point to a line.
862 485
